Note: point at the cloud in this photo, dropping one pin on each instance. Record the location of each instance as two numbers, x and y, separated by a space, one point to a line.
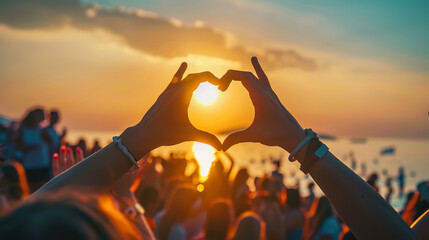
280 58
142 30
30 14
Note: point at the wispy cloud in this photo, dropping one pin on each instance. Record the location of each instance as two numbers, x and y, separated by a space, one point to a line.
144 31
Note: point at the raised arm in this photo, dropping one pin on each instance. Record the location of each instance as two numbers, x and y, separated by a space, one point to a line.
367 214
166 123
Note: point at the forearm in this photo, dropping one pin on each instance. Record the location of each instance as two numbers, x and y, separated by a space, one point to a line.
101 170
367 214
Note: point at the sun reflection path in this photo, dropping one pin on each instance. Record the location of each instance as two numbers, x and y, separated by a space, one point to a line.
205 155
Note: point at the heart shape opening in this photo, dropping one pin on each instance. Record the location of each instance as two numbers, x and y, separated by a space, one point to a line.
230 112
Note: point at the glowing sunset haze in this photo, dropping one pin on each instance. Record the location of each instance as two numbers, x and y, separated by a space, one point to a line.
338 68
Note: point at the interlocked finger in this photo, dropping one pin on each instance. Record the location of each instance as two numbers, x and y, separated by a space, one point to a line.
193 80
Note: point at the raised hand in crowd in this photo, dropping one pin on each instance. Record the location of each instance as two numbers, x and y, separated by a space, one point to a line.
65 159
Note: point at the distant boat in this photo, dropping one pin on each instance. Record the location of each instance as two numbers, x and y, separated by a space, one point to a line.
387 151
358 140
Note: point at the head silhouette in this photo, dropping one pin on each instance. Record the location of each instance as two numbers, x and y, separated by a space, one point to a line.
219 217
33 118
177 210
250 227
70 216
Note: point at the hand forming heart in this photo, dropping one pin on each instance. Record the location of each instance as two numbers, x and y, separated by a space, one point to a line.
273 125
167 122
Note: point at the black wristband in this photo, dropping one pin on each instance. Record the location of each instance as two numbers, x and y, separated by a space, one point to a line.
310 157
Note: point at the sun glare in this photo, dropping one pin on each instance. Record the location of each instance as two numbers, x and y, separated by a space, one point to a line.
206 93
204 154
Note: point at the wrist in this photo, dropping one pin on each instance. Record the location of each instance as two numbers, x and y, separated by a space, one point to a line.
300 155
314 152
136 140
290 141
293 140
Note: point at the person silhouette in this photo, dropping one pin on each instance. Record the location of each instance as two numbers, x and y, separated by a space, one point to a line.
389 189
401 181
35 152
95 148
52 137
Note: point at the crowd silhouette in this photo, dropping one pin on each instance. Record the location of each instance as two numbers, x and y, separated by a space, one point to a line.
51 189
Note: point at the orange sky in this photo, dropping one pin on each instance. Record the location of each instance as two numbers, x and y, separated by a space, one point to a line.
102 81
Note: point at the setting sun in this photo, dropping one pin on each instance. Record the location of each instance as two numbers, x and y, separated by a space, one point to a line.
204 154
206 93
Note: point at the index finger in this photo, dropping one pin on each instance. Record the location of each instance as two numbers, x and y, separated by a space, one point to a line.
249 81
193 80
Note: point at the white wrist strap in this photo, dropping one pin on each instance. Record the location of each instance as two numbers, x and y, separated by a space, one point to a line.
124 150
310 135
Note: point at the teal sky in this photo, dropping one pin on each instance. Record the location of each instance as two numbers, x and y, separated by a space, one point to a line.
388 30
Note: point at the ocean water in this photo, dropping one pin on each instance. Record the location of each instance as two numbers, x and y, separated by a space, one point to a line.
411 154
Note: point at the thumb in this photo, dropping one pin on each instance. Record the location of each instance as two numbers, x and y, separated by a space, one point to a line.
179 74
208 138
234 138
